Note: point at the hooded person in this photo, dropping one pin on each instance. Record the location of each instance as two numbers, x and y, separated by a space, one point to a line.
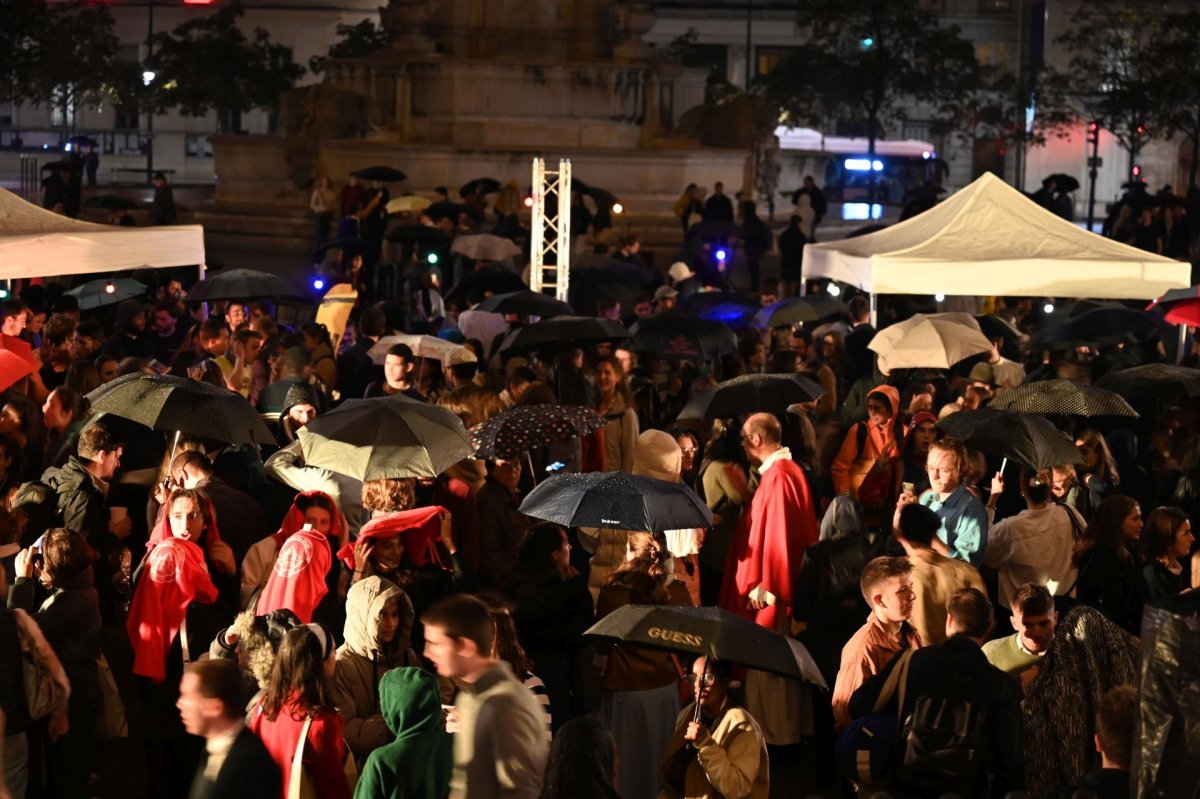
379 622
129 332
174 576
867 441
882 486
310 508
657 455
417 764
253 641
305 400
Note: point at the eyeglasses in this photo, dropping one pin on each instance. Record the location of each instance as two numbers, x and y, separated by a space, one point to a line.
688 450
941 470
705 679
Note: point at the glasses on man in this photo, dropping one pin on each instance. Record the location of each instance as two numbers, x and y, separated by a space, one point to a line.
940 471
705 679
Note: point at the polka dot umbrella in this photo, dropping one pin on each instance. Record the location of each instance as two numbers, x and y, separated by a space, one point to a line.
530 427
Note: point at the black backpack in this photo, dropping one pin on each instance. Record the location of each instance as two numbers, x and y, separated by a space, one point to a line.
943 742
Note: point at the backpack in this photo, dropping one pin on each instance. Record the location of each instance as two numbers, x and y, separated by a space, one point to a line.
866 750
943 742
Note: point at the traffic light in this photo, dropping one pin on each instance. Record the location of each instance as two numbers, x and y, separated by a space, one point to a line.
1093 133
1137 171
1141 130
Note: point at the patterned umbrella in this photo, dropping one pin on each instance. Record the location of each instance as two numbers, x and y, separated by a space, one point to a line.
529 427
679 336
1024 437
752 393
1061 397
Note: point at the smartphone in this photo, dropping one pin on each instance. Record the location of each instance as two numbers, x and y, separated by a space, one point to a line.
907 487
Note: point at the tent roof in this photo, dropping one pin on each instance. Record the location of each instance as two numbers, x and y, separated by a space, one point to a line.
988 238
35 242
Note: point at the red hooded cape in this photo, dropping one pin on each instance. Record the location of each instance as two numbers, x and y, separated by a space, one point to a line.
174 576
768 548
420 527
293 520
297 580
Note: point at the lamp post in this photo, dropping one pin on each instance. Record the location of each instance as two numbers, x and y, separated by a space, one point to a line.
147 79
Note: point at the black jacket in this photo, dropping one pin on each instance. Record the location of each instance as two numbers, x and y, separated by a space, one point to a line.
356 370
81 504
71 624
927 673
248 772
719 207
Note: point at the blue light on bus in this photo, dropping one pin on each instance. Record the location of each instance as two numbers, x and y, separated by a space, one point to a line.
863 165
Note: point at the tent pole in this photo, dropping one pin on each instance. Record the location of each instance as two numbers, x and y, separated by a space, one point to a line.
1182 350
201 271
874 321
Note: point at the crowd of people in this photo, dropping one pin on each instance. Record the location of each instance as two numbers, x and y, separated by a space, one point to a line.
291 629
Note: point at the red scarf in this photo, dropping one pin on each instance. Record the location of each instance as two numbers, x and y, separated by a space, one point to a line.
174 576
297 580
421 528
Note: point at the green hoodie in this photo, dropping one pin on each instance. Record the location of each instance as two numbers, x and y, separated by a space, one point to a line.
418 763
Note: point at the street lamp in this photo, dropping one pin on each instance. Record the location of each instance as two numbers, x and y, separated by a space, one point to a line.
147 77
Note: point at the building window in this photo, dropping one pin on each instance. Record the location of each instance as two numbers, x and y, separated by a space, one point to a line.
197 146
768 58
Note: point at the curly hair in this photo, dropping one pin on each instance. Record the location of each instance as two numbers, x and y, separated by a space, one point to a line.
389 494
645 571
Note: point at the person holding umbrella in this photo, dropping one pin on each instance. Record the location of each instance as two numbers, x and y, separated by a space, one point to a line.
723 755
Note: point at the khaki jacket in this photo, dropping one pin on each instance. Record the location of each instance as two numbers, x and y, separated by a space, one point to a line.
730 762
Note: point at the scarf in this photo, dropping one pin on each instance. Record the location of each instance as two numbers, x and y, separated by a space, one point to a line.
297 580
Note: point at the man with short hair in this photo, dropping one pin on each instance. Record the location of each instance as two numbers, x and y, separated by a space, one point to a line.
886 584
935 577
129 332
1115 741
86 340
718 207
214 338
763 562
237 364
167 336
397 375
235 764
235 315
665 298
162 208
860 360
295 368
954 685
355 368
500 746
1034 619
56 350
501 523
964 518
15 315
81 486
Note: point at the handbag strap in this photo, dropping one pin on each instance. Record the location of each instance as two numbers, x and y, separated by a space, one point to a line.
298 757
898 676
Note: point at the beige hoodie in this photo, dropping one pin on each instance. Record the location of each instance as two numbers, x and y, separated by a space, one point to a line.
361 662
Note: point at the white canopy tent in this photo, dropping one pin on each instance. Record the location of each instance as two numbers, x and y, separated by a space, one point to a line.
35 242
989 239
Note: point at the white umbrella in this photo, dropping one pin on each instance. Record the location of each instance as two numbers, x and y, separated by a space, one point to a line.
433 347
485 247
929 341
410 203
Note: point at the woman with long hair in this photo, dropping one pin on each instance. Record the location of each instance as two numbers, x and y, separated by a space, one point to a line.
508 648
70 620
640 693
298 710
1165 546
616 406
1109 572
551 607
582 762
1098 473
184 593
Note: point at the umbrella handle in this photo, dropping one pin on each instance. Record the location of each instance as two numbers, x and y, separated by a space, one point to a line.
1003 465
174 444
696 710
529 463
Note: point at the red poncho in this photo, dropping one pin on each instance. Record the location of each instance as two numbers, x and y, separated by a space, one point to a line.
293 520
297 580
174 576
769 545
420 528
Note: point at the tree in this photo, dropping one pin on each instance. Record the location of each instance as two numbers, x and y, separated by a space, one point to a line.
1111 74
868 62
208 64
1175 76
61 53
355 41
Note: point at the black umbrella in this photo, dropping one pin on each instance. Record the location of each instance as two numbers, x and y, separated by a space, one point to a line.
616 501
419 235
620 270
1064 183
530 427
712 632
62 166
1063 397
526 303
479 185
383 174
1153 381
588 287
494 279
995 327
601 196
372 439
1097 326
449 210
736 310
751 394
245 284
1024 437
795 310
351 246
111 202
679 336
101 292
565 331
188 407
